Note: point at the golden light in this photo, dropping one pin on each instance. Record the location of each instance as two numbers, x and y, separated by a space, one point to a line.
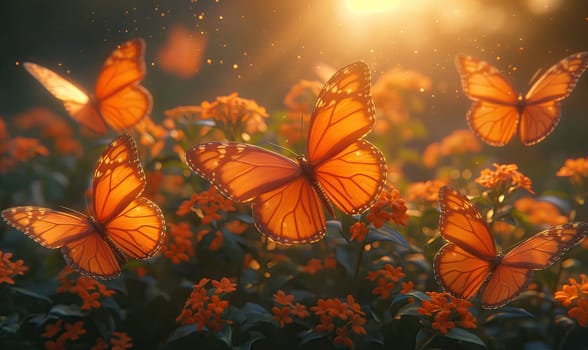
370 6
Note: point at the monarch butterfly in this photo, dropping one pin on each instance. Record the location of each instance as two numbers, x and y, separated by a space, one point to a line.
498 110
469 263
122 223
287 196
118 101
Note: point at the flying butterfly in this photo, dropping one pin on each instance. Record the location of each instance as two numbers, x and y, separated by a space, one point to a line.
340 167
122 223
468 263
118 102
499 111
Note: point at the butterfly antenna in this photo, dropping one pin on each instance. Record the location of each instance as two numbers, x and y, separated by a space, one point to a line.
284 149
72 210
536 76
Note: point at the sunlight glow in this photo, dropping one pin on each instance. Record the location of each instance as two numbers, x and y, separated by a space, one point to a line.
370 6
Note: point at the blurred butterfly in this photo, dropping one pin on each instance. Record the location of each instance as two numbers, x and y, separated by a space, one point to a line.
498 110
122 223
469 263
287 196
118 101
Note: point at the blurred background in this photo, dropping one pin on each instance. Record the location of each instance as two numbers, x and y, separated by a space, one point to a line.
197 50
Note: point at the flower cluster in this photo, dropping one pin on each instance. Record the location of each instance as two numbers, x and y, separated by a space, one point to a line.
540 213
88 289
179 247
67 331
445 312
206 205
15 150
574 297
575 169
424 193
358 231
284 308
340 319
118 341
182 53
9 269
386 279
459 142
315 265
378 214
504 179
205 307
299 102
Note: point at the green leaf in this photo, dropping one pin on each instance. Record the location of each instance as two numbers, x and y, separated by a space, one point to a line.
255 336
66 311
225 335
423 338
308 336
32 295
465 336
182 332
508 313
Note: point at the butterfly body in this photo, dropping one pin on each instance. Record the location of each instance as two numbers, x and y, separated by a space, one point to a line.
498 112
469 264
121 224
118 100
338 169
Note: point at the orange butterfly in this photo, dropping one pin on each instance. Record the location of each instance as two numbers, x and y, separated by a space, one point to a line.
498 110
469 262
122 223
118 100
287 196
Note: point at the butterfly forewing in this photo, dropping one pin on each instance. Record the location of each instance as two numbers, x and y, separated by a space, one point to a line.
138 230
343 113
482 81
546 247
291 213
118 178
461 223
50 228
354 177
121 100
241 171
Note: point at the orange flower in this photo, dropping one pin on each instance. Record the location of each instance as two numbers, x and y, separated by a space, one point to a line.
540 213
205 307
9 269
120 341
51 330
23 148
358 231
224 286
282 298
209 205
388 200
574 297
88 289
506 178
445 312
285 308
386 279
101 344
425 193
73 331
68 332
407 287
180 247
282 315
575 169
345 318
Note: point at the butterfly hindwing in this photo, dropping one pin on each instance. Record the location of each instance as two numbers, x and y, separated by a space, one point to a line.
353 178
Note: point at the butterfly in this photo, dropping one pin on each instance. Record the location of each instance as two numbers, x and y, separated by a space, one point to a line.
498 110
340 167
469 264
119 102
122 224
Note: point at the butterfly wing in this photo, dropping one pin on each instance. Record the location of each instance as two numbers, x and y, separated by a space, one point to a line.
81 244
460 272
542 108
241 171
118 178
285 205
350 170
76 101
540 251
493 116
121 100
462 265
139 230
